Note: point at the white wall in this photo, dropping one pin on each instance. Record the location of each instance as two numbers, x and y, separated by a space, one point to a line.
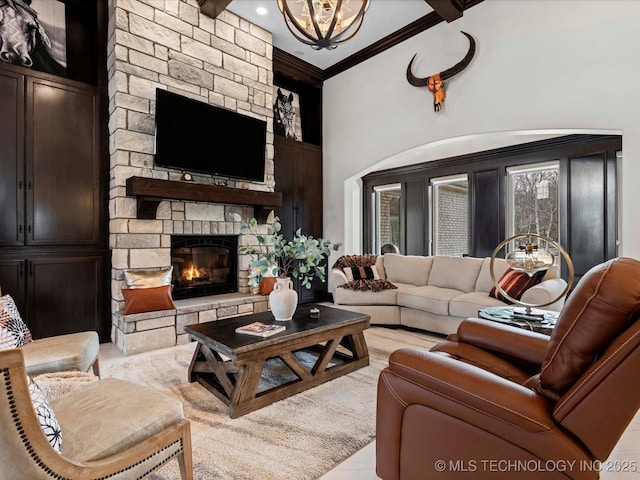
541 68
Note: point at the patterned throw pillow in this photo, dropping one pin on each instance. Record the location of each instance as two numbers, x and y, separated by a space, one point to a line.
45 415
13 331
361 273
515 283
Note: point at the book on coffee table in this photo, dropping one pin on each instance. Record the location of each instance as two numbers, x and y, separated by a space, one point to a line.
260 329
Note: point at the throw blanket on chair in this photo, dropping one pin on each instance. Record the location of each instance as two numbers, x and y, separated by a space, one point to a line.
361 271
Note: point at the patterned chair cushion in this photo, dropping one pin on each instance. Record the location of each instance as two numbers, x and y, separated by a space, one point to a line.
13 331
46 417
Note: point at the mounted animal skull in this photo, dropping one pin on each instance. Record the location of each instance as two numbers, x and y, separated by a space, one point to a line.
435 82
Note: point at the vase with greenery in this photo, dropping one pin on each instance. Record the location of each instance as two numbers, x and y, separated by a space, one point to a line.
302 257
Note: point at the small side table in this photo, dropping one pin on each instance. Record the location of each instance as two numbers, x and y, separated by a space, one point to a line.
509 315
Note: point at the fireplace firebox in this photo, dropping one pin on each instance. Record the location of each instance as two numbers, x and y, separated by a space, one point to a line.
204 265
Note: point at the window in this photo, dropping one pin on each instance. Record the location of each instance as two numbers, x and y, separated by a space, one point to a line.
449 200
386 216
532 206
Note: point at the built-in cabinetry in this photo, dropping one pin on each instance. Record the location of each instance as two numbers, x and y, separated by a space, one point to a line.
298 164
53 244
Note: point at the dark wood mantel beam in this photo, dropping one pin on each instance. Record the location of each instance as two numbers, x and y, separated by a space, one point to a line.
449 10
213 8
151 191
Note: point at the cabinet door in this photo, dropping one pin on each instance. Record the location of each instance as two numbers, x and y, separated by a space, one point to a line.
285 157
64 295
12 282
308 190
11 159
62 164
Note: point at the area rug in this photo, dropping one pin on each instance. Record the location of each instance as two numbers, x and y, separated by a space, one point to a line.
301 437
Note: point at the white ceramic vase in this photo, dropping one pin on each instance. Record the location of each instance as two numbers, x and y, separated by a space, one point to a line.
283 300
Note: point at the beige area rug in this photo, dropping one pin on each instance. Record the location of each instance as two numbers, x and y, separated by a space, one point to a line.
301 437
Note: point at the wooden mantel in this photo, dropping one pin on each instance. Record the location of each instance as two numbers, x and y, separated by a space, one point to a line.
151 191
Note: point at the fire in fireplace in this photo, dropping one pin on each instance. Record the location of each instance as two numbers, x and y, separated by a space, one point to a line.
204 265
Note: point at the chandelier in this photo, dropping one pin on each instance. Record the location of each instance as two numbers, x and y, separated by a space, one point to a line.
323 23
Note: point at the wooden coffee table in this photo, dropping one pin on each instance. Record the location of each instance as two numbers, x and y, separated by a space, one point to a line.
335 340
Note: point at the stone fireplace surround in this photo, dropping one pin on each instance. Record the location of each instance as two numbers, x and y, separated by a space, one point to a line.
226 62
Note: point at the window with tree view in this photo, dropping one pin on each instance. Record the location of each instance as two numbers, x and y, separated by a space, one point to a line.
386 216
533 200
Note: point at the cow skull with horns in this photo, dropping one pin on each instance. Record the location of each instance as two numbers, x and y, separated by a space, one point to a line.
435 82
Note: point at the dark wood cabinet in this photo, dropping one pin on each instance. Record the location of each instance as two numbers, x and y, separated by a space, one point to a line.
298 176
62 164
56 295
53 241
11 159
63 294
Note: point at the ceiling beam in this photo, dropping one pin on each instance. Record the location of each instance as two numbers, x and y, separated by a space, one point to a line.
449 10
213 8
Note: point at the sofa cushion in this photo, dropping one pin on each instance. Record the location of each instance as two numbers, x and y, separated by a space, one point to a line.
345 296
468 304
407 268
427 298
484 283
361 273
515 283
458 273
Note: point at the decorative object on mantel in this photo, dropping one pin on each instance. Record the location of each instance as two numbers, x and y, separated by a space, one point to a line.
529 260
301 258
435 82
323 23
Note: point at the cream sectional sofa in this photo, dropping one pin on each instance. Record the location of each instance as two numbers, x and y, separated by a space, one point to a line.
435 293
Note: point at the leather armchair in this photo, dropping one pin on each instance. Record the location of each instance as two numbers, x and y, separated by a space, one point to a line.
494 401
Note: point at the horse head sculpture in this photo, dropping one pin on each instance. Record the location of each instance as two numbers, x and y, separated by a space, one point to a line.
435 82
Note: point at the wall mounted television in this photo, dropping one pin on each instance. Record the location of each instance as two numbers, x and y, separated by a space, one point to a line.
194 136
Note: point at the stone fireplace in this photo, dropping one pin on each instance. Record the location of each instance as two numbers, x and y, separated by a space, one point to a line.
225 62
204 265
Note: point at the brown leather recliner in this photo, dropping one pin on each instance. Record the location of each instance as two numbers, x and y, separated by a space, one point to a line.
497 402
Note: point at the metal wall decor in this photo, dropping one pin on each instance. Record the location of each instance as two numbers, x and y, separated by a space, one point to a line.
435 82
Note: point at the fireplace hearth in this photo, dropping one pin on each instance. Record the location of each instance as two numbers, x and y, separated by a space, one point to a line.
204 265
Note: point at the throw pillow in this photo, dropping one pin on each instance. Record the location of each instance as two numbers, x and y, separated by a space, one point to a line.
361 273
140 300
13 331
45 415
515 283
148 278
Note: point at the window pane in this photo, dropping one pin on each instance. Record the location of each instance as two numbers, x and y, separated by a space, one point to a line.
449 208
387 216
534 200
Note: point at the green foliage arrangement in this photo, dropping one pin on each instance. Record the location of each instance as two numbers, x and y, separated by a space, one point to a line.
301 257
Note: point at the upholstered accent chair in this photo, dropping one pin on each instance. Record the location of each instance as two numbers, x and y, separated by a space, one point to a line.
493 393
110 429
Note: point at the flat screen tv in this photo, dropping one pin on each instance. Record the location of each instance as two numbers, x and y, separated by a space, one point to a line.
197 137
